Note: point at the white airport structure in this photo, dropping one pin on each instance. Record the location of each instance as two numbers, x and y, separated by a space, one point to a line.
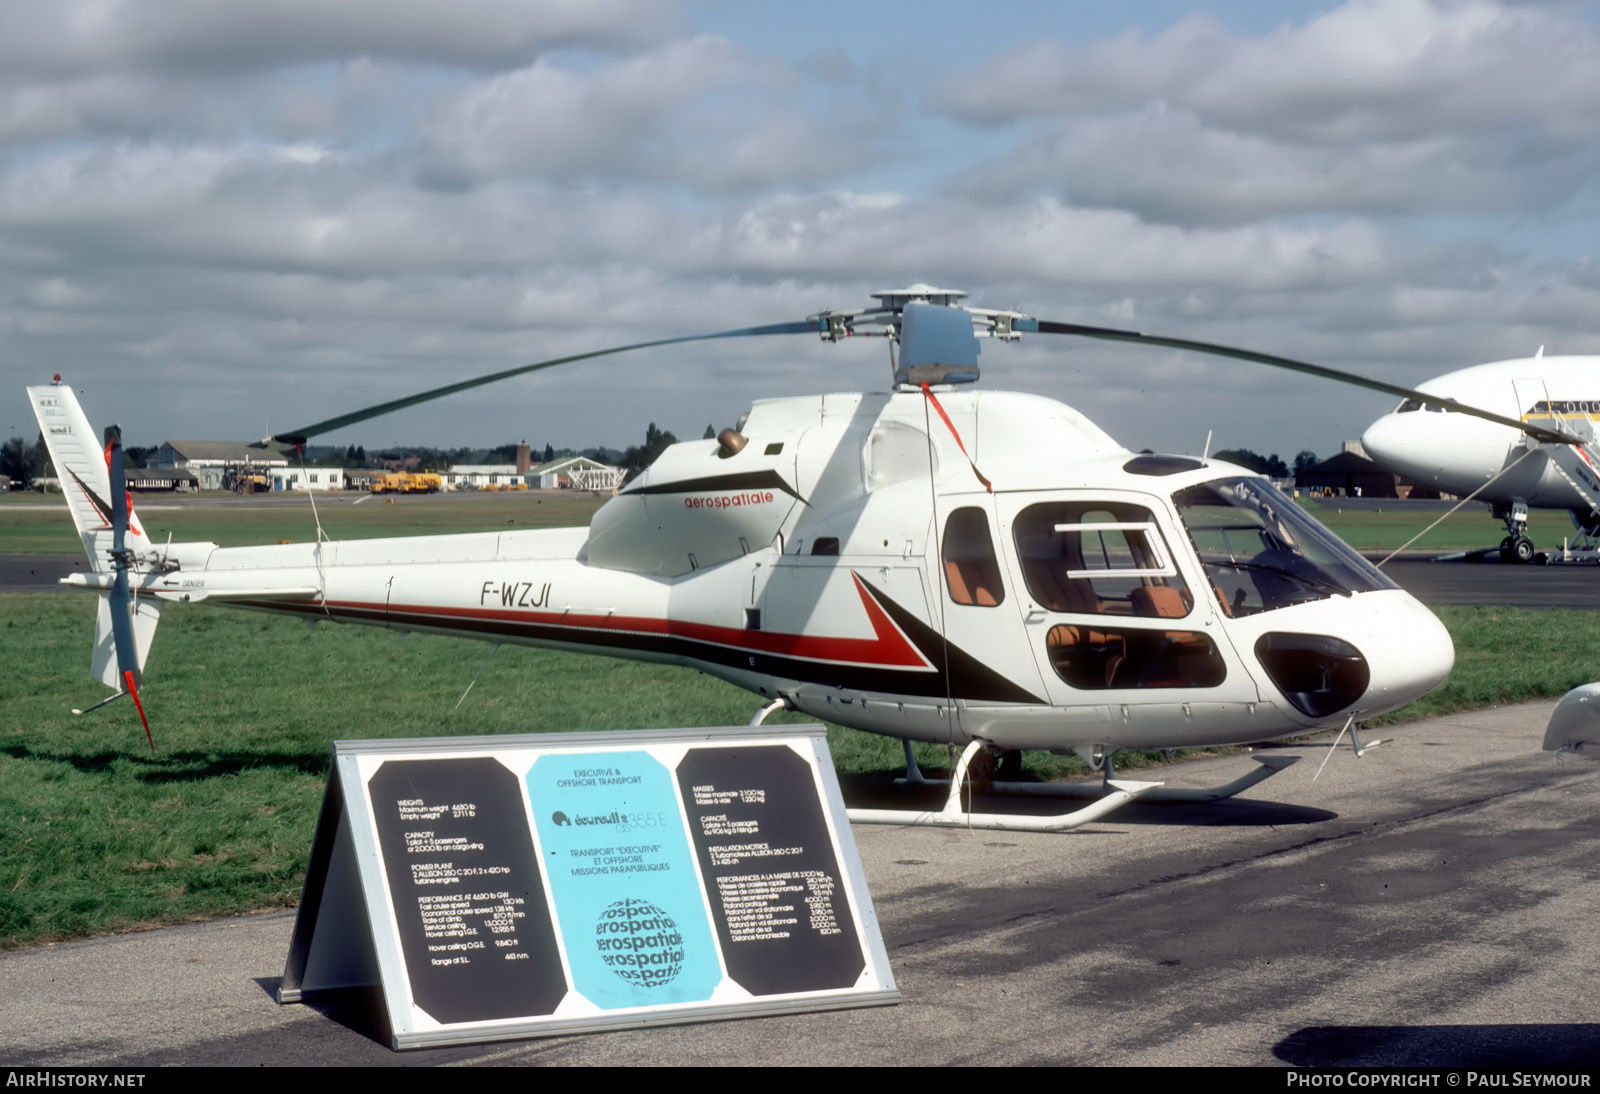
210 461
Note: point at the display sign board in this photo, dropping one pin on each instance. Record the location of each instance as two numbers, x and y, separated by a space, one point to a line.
504 887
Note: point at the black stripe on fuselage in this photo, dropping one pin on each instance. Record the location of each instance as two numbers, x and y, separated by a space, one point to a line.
745 480
969 678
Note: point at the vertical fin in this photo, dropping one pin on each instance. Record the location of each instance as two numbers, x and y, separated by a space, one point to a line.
80 463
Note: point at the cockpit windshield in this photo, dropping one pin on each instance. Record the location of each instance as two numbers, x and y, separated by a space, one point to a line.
1261 551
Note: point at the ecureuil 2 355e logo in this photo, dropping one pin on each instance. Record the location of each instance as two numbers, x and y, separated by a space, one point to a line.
623 822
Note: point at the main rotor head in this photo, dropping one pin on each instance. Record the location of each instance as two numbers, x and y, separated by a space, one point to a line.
938 337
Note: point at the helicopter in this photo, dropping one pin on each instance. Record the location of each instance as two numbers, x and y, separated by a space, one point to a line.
1464 455
932 562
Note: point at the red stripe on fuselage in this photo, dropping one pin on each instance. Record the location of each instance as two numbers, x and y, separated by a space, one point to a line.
887 648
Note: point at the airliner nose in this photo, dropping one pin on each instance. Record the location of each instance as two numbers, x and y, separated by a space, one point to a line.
1387 440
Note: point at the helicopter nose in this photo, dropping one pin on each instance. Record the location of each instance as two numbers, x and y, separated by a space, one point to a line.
1367 655
1409 653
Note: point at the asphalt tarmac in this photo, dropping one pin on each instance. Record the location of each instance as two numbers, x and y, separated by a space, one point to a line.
1431 903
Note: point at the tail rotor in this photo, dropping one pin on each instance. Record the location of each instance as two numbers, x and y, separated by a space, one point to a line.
120 597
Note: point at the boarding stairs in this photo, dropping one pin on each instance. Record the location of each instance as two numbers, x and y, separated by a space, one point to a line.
1579 465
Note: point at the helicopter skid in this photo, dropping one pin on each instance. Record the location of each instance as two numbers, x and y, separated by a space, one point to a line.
1121 792
1124 791
954 816
1270 766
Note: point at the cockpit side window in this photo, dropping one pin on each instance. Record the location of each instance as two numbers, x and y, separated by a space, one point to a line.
971 570
1263 552
1099 558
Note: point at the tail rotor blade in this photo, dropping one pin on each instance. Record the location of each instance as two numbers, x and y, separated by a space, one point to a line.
133 690
120 598
119 490
127 649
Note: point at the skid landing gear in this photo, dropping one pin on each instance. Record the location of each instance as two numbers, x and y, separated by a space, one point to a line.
1110 794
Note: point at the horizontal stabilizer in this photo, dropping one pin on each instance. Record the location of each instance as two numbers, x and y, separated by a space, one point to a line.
303 592
247 585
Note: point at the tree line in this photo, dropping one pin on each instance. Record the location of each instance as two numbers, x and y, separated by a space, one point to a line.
1271 466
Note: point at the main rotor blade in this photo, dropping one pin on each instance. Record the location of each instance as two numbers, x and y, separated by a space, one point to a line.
1108 334
299 436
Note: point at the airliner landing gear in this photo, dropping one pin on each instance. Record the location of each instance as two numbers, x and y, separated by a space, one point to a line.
1516 547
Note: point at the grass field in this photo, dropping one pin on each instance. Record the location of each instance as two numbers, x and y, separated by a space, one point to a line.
229 522
1472 527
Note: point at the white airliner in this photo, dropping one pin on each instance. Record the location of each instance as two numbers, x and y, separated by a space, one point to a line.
1430 444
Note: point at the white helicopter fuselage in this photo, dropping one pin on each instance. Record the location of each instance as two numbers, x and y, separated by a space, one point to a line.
849 560
1459 454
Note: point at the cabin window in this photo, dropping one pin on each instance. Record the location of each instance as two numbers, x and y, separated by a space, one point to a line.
1099 558
1097 659
971 570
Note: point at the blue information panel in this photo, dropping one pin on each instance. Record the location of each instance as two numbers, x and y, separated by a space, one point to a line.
623 879
532 885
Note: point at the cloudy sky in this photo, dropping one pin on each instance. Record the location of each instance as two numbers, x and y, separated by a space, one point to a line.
219 217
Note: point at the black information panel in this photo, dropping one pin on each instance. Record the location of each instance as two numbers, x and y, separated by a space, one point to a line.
469 903
779 903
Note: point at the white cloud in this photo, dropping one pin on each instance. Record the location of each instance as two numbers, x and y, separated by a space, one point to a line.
1377 106
1042 242
698 112
66 38
1368 70
560 123
1169 166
